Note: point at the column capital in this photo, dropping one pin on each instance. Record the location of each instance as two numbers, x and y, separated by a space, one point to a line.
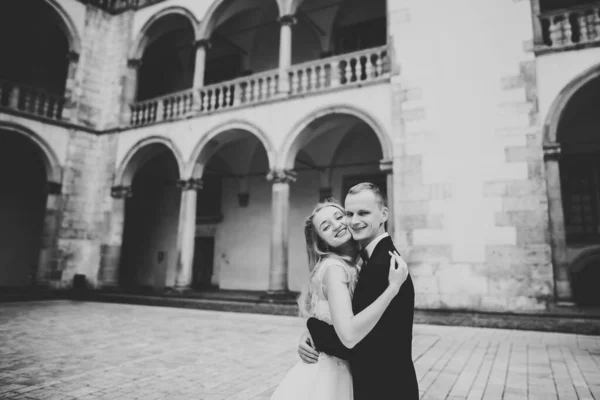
190 184
552 152
282 176
134 63
386 166
121 192
54 188
73 56
202 43
289 19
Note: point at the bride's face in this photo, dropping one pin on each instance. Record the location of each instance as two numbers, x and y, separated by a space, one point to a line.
330 223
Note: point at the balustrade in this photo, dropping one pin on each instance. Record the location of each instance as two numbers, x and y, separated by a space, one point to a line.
31 100
165 108
352 68
343 70
572 26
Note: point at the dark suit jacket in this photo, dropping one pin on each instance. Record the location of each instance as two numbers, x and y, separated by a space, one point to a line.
382 366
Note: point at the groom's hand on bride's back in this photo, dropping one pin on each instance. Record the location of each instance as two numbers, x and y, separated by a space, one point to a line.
306 349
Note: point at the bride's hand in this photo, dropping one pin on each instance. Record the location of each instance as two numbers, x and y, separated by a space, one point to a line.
398 274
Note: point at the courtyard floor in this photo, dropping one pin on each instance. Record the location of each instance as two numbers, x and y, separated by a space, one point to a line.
86 350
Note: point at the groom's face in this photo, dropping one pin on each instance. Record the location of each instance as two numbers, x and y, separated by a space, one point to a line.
366 216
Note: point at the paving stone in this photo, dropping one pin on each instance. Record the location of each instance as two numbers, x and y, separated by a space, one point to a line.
67 350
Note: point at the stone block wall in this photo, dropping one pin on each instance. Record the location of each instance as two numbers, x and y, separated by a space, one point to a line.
88 174
470 201
97 89
101 70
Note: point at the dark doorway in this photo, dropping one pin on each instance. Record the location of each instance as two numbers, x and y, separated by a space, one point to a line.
204 253
22 207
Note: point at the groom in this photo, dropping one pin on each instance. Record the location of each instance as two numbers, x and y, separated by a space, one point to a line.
382 366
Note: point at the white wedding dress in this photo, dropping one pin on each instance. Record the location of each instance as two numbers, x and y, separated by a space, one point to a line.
330 377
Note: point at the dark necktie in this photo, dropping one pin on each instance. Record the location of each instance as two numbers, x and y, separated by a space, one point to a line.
364 255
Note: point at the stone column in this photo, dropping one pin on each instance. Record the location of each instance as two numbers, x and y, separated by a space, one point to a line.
110 251
186 233
278 271
69 111
387 167
49 267
129 89
201 46
558 242
285 52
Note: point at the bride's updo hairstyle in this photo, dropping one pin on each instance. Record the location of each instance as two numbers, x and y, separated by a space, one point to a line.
317 250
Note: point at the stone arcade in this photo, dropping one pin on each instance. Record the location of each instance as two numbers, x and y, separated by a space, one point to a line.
169 144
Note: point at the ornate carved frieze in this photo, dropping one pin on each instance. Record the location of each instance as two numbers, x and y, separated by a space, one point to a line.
282 176
190 184
121 192
552 152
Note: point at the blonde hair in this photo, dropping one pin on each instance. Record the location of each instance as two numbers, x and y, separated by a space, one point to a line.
317 251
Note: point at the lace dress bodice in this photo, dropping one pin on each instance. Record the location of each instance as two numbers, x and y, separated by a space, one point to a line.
320 305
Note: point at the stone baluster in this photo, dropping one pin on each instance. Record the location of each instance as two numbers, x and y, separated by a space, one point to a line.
15 96
187 232
278 272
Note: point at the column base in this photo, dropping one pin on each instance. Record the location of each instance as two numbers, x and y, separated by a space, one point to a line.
179 290
279 296
566 304
563 292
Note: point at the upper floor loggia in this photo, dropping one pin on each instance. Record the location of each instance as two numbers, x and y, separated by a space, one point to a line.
246 52
183 62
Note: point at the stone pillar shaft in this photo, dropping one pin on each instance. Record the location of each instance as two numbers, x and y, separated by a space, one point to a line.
278 271
560 263
129 89
186 233
71 95
387 167
285 52
110 251
49 258
200 67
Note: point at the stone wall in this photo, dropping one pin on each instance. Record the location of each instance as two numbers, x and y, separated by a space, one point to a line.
470 203
101 69
85 200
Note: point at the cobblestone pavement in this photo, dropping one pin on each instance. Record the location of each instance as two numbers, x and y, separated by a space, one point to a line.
70 350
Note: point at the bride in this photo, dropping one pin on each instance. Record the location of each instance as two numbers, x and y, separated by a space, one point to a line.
331 256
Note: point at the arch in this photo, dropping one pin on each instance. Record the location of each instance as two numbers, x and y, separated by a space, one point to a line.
208 22
558 106
136 156
53 167
584 258
67 26
293 140
228 126
141 42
